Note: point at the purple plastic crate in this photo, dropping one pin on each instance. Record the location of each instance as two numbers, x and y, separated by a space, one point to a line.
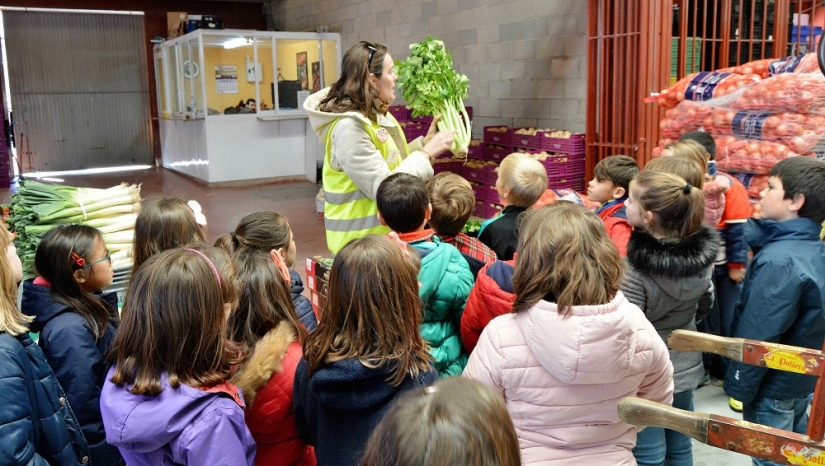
476 149
572 146
487 209
563 164
526 141
486 175
486 193
569 181
501 138
495 153
423 119
452 166
400 112
414 130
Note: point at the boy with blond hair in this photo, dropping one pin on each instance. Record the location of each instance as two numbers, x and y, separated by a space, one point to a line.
610 187
521 182
452 201
783 294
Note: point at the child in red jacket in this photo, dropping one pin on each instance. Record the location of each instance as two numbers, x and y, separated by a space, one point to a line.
610 187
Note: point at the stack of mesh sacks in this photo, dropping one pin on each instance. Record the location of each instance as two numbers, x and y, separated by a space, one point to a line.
758 113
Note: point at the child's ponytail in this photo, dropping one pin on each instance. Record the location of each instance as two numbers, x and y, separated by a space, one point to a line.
677 206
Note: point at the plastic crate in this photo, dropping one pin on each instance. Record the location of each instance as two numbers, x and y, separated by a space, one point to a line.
486 175
469 111
400 112
414 130
496 153
568 181
487 209
453 166
573 145
423 119
487 193
501 138
563 164
476 149
526 141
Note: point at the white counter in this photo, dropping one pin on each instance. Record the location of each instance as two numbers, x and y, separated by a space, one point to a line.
226 149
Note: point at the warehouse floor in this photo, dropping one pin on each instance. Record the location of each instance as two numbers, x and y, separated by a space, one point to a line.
224 206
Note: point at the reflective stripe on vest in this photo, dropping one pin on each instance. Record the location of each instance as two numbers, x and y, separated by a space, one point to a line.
348 212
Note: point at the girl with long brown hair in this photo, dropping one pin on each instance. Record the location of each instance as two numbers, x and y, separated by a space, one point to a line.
163 223
264 323
364 142
573 345
670 261
366 351
167 399
76 322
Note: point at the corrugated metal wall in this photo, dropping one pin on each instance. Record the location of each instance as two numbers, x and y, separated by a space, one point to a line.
79 89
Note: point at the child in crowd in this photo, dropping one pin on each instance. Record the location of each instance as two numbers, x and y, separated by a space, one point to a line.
167 399
36 424
270 232
452 200
163 223
445 276
521 182
264 323
491 296
681 167
670 256
573 345
729 266
76 322
457 421
366 351
713 187
609 187
783 295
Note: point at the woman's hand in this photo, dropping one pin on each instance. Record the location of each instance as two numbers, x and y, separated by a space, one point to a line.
433 130
440 142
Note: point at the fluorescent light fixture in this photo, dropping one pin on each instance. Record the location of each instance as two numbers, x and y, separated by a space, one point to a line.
88 171
236 42
54 180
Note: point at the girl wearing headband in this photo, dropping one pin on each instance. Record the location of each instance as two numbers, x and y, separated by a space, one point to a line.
670 257
167 399
76 322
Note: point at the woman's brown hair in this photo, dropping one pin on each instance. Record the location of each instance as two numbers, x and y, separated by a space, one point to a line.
564 252
163 223
372 312
457 421
174 323
12 321
263 300
258 231
352 92
678 208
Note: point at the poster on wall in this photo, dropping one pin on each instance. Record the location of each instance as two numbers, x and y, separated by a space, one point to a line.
303 77
226 79
316 76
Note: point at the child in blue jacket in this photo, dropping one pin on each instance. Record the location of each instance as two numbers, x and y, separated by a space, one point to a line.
783 296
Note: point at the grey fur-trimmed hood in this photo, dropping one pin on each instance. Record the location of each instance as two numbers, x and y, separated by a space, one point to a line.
673 258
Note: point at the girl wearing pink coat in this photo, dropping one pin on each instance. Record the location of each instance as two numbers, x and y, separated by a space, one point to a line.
573 345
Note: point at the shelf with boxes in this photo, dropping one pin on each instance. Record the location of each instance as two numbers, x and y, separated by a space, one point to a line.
415 126
317 269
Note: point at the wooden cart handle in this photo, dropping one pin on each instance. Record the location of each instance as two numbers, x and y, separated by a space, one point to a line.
640 412
685 340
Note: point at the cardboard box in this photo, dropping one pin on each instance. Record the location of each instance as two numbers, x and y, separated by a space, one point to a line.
175 24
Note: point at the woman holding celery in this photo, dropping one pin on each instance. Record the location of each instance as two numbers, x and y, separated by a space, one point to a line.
364 143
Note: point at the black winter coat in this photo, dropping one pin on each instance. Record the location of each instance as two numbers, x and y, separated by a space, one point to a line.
77 359
37 425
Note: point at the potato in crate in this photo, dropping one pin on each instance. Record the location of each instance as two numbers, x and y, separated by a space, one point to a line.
497 135
476 149
479 171
564 142
495 153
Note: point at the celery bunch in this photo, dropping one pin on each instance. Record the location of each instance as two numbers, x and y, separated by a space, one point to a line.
431 86
38 207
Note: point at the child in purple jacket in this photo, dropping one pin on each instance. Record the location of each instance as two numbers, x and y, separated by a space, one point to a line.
167 399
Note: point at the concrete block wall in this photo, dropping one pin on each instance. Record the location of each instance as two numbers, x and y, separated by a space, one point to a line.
526 59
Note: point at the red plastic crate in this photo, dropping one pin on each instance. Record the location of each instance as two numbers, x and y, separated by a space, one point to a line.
526 141
572 146
400 112
496 137
476 149
496 153
563 164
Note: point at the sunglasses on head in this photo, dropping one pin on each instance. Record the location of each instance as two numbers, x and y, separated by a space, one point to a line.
372 50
